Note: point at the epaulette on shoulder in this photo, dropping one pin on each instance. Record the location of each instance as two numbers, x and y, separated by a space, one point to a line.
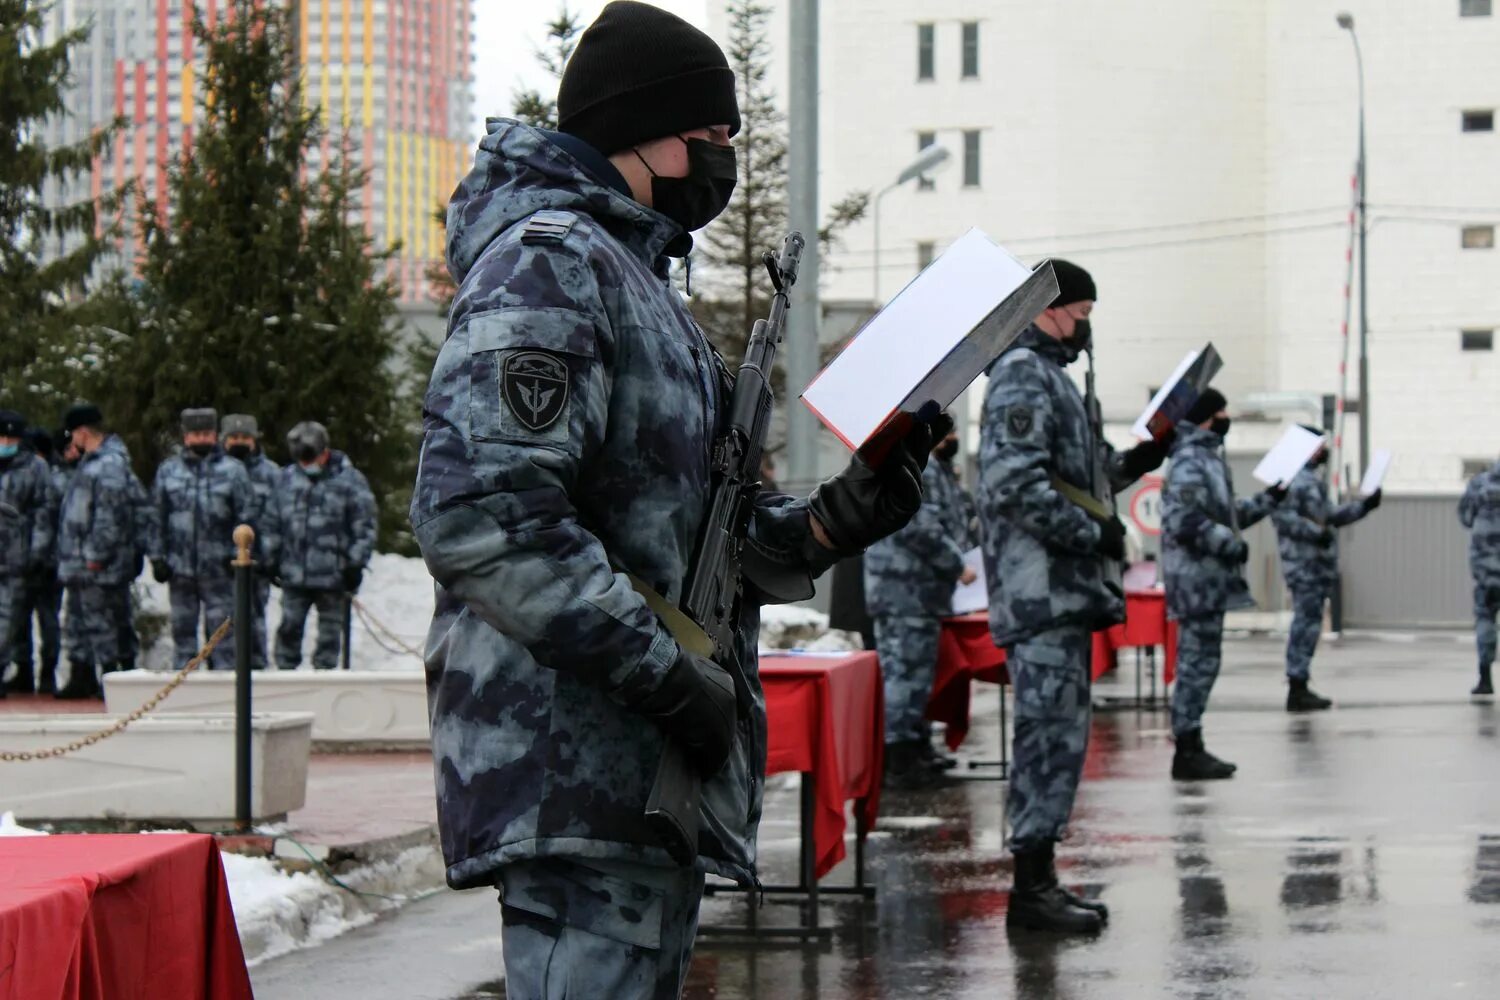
548 227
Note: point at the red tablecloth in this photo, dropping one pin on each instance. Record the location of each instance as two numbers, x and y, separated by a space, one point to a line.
117 917
966 652
826 715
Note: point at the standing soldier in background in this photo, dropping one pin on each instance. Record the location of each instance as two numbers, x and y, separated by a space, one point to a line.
1203 555
41 596
101 536
26 531
1045 567
242 442
326 514
909 580
1305 524
200 496
1480 513
63 473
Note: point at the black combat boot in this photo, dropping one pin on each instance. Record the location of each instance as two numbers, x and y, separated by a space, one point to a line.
1193 762
1301 698
23 682
46 682
1484 689
82 684
1038 903
907 771
935 758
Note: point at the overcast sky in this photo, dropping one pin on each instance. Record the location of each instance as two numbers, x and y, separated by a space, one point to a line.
511 30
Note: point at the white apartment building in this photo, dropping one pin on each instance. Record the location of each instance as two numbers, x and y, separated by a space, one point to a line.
1196 156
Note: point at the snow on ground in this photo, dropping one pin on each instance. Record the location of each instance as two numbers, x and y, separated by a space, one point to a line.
397 593
10 828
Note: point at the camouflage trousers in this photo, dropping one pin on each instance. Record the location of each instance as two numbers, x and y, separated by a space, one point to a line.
102 632
1051 677
260 599
12 600
1486 606
295 604
601 929
1200 644
1307 625
908 651
195 601
43 601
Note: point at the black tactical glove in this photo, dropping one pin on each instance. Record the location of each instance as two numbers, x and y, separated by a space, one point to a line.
1239 552
353 577
696 706
1112 539
1277 493
1143 458
160 571
860 506
1372 501
1325 540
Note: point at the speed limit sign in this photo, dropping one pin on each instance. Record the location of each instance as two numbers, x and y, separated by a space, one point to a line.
1145 506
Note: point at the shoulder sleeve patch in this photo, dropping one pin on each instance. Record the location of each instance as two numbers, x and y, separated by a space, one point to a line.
548 227
1019 420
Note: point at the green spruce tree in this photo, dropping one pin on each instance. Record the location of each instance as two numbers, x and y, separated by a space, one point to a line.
531 105
48 252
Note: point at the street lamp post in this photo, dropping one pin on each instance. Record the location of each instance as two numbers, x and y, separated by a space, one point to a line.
931 158
1346 21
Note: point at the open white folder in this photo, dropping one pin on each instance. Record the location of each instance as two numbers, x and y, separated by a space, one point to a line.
1380 464
971 597
931 341
1288 456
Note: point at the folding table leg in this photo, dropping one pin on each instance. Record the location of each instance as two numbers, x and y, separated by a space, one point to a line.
1003 764
809 875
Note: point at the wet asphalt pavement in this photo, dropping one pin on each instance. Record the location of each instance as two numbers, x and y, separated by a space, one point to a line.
1356 854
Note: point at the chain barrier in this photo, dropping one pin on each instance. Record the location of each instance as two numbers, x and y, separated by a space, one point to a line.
379 629
16 756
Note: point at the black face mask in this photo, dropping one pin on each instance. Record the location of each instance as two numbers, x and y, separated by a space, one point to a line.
307 454
1320 460
1082 338
241 451
1220 426
201 450
697 199
946 450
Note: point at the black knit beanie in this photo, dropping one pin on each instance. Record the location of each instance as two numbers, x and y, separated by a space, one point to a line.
1209 402
640 73
1074 284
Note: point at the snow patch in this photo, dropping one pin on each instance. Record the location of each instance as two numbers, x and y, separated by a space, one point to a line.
10 828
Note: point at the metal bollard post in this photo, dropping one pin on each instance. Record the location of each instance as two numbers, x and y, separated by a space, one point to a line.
244 631
348 626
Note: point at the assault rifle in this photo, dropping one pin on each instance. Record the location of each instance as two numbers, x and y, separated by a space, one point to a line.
708 619
1098 501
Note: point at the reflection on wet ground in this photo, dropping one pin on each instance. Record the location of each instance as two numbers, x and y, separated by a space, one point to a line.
1357 853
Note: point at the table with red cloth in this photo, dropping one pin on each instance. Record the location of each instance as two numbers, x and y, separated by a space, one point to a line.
826 721
117 916
967 653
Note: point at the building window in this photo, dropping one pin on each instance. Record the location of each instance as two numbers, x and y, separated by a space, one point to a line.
971 50
925 46
925 139
1478 237
1479 121
1474 466
1473 8
1478 340
971 159
926 250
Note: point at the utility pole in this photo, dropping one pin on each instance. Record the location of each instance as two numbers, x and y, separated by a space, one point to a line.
1346 21
804 320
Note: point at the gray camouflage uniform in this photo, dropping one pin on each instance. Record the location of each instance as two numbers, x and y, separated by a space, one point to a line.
1480 513
327 525
1046 579
265 477
909 580
1199 518
567 429
197 503
1310 567
105 522
27 526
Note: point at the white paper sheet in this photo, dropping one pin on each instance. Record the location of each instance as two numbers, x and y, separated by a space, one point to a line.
971 597
1140 430
1380 464
1288 456
915 331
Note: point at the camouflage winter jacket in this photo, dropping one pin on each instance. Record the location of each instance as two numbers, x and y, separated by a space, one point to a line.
197 503
1040 557
1199 517
913 572
1301 519
567 430
265 478
327 524
28 515
105 519
1480 513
